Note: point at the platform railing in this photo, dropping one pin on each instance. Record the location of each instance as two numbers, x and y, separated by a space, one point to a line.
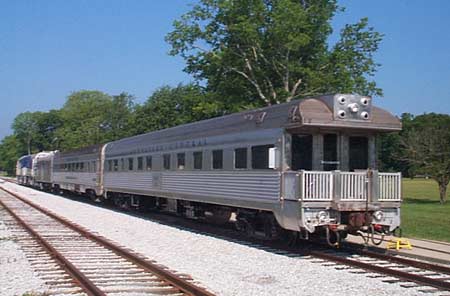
349 186
390 186
353 186
317 186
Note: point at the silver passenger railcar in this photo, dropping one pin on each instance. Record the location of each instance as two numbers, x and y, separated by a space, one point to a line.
42 170
308 166
79 171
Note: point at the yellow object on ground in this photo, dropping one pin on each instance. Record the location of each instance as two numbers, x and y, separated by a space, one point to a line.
398 244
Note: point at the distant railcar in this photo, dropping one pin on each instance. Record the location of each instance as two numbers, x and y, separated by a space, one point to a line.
308 166
42 170
23 169
79 171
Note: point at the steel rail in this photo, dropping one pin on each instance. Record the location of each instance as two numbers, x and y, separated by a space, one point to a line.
184 286
439 284
88 286
355 248
409 262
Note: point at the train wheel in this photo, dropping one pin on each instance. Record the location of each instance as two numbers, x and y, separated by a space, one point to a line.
218 217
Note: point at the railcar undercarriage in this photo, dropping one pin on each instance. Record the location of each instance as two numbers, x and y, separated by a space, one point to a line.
256 223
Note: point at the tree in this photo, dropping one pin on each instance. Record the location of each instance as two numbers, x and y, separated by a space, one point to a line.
10 150
93 117
47 124
172 106
391 151
426 144
26 129
84 115
117 123
261 52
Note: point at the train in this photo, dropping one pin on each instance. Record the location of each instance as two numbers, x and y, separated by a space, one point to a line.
305 168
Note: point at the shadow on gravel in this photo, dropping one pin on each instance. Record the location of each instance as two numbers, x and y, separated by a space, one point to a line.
227 232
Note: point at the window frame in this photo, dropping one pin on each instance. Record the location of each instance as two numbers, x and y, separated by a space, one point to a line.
213 158
246 158
147 166
140 163
166 159
130 163
266 167
183 158
194 153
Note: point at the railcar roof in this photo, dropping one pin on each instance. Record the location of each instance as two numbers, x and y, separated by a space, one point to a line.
319 111
92 149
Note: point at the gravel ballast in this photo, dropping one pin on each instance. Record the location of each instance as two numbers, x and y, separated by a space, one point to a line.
16 274
224 267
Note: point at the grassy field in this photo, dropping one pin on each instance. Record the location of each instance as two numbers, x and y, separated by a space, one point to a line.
422 215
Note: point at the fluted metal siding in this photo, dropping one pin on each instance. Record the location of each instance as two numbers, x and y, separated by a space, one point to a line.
134 180
231 185
225 184
85 179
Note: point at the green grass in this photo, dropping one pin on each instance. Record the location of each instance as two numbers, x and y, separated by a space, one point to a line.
422 214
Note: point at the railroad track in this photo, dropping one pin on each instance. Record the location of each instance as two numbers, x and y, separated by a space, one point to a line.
72 260
429 277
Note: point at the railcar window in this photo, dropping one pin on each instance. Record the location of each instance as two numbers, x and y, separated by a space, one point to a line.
166 161
358 153
330 152
116 165
217 159
198 160
240 158
140 163
94 166
181 161
88 166
130 164
260 156
148 163
302 147
77 166
122 164
110 165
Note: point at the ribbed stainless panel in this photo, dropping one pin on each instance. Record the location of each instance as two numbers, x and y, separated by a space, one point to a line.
231 185
224 184
135 180
85 179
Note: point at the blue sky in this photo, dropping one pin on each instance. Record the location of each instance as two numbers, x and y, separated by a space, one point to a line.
50 48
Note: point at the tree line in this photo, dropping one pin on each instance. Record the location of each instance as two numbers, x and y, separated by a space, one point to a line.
243 54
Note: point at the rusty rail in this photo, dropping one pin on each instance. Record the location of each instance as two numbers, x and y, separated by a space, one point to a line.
184 286
75 273
439 284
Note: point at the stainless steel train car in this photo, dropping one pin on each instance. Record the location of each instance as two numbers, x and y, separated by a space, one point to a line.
42 169
79 171
308 166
